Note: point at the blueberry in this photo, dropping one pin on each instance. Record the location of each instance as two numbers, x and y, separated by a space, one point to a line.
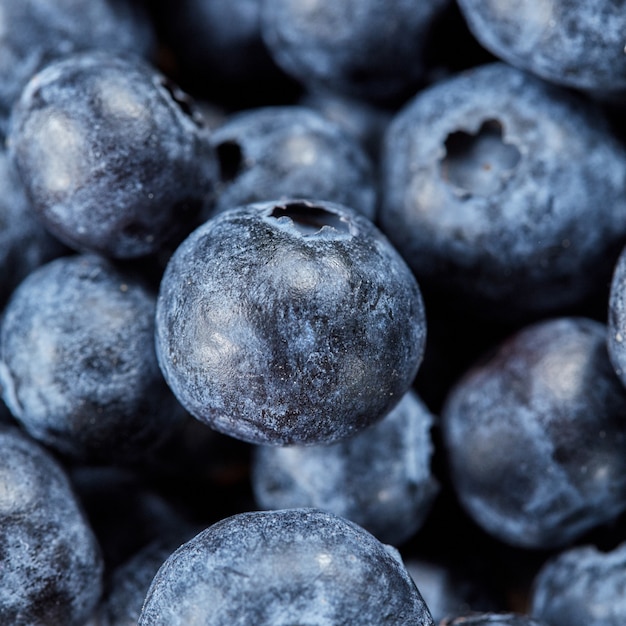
24 243
582 586
78 366
360 48
51 564
380 478
290 151
496 186
568 42
289 323
34 33
295 566
113 156
536 438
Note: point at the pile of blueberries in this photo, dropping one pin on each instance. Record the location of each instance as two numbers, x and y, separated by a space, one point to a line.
312 313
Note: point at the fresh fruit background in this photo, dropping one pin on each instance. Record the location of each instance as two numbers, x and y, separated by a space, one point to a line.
332 292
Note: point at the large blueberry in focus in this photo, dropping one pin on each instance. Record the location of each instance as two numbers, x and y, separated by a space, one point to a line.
287 152
114 158
295 566
569 42
34 33
51 566
581 586
504 191
77 363
535 435
381 478
292 322
364 48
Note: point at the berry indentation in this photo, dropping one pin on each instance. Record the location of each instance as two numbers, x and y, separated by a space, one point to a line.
477 163
309 219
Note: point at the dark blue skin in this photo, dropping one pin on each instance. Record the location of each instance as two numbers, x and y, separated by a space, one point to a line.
535 435
581 586
291 151
219 51
114 158
51 563
616 339
363 48
567 42
279 568
77 362
493 619
381 478
497 186
37 32
289 323
24 243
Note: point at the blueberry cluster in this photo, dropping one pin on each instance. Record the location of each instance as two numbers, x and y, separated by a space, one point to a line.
312 313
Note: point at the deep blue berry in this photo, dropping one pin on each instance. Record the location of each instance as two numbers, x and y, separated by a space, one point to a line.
536 438
362 48
113 156
78 366
296 566
51 567
291 152
381 478
567 42
504 192
292 322
581 586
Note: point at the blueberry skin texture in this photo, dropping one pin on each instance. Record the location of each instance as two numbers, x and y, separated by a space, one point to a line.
291 151
380 479
24 243
42 31
78 367
535 435
51 564
581 586
567 42
617 318
113 157
496 185
293 323
296 566
361 48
